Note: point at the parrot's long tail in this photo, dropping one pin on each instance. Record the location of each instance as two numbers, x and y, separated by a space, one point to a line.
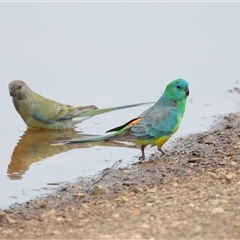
117 132
92 112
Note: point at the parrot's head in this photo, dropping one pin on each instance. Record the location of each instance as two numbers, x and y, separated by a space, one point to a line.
18 89
177 90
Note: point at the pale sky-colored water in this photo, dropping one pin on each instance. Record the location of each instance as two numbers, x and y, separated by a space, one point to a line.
108 54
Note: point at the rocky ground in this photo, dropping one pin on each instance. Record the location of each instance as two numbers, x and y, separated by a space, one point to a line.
193 193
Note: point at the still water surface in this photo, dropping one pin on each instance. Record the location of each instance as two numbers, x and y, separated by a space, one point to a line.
29 163
108 55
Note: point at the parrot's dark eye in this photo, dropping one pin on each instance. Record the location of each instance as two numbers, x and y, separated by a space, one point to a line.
20 86
178 86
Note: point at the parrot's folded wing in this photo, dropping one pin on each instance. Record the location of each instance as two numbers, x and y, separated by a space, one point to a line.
51 112
157 123
46 113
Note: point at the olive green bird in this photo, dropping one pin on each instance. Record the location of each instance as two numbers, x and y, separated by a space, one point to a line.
42 113
155 125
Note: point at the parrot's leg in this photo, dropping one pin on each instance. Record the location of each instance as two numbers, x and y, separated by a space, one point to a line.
160 150
143 154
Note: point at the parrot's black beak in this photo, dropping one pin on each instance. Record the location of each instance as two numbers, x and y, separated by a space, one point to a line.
187 91
11 92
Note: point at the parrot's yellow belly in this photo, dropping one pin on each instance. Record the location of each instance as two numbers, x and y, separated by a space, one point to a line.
154 141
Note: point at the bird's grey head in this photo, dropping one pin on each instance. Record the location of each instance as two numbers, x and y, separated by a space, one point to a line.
18 89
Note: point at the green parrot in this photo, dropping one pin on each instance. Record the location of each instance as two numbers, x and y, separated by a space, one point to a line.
41 113
155 125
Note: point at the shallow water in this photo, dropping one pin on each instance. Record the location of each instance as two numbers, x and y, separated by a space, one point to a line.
108 54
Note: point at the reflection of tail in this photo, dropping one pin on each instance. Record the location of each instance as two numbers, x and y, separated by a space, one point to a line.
93 112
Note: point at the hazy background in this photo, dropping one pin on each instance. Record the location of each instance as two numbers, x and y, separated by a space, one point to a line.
112 54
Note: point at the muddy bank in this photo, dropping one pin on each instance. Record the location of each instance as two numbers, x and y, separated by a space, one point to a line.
193 193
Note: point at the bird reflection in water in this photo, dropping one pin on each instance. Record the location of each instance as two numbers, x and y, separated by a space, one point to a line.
35 146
